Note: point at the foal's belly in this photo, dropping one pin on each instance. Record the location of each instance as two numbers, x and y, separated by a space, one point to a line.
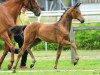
48 38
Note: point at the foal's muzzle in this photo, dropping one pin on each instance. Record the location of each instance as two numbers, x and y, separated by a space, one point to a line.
37 13
82 21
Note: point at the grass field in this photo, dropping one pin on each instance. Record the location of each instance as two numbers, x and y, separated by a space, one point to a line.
89 64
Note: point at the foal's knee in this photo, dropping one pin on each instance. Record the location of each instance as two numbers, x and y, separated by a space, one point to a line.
12 49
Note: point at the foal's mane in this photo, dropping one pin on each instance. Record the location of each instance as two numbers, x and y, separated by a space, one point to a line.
68 22
63 14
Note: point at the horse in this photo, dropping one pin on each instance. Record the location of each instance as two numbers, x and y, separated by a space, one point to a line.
9 11
58 32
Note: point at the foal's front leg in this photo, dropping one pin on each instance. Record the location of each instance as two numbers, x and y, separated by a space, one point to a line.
58 55
64 42
74 55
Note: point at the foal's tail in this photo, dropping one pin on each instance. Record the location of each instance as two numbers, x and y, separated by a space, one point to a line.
17 29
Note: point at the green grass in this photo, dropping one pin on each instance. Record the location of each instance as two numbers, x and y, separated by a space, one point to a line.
89 60
63 65
55 73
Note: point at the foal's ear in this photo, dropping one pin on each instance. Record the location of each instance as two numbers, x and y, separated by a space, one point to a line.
77 5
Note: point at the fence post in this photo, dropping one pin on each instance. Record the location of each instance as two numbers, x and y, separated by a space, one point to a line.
72 40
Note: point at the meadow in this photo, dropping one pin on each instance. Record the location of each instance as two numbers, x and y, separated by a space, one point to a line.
89 64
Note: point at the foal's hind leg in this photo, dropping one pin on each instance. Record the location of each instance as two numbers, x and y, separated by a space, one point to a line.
27 40
21 51
58 55
34 43
6 38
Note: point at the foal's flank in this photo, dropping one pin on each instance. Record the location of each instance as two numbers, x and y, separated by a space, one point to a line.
53 33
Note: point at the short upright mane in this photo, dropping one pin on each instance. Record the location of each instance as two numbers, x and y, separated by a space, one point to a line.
66 19
63 14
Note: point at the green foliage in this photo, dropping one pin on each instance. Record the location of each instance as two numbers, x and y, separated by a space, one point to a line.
88 39
40 46
51 46
89 64
1 44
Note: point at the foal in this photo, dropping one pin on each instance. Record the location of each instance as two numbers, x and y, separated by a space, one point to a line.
53 33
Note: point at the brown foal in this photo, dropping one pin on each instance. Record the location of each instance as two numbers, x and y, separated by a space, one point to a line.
9 11
53 33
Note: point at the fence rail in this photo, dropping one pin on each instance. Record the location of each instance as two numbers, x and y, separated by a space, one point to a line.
89 1
86 28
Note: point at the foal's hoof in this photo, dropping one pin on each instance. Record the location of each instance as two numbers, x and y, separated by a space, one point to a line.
14 71
76 61
32 65
9 67
55 67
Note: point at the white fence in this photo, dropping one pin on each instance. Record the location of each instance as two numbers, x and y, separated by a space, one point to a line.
90 16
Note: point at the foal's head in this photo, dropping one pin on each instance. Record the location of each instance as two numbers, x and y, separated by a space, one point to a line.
75 13
33 6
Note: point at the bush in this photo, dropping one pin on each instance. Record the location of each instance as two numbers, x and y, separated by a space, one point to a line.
1 44
51 46
88 39
40 46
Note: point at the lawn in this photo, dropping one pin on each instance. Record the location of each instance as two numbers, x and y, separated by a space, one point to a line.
89 64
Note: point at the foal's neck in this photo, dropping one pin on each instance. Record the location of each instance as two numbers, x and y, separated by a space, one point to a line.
13 8
66 20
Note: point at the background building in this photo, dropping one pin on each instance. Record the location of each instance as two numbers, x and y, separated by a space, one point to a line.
62 4
50 5
2 1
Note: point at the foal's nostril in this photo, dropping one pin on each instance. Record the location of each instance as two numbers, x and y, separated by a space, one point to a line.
82 21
